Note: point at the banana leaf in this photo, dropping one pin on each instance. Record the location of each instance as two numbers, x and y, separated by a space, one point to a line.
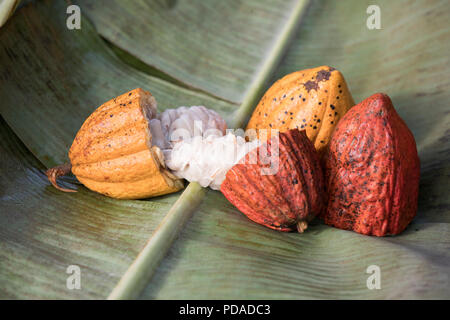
222 54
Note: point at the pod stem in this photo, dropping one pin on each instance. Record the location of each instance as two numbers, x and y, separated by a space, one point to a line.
301 226
58 171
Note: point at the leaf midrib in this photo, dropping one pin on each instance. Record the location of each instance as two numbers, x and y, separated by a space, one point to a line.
142 269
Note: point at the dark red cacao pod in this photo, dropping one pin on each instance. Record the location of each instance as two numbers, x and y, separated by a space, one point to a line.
372 170
286 200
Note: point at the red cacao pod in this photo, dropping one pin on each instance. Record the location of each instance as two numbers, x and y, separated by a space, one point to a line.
372 170
287 199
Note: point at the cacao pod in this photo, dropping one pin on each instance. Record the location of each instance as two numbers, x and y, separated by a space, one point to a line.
287 199
113 153
372 170
313 100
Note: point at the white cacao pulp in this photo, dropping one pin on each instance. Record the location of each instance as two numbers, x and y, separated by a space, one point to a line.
196 146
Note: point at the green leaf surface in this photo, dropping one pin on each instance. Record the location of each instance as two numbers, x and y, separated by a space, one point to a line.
51 79
215 46
54 78
185 53
223 255
407 59
43 231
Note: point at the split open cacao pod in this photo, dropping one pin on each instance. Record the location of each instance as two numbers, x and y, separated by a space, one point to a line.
372 170
113 152
286 198
313 100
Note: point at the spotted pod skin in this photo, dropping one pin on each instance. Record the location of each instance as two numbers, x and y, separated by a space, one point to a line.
313 100
372 170
113 154
286 200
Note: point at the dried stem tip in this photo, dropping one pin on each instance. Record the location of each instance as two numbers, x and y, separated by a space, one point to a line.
302 225
58 171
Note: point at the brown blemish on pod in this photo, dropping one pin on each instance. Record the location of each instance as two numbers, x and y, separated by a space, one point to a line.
308 93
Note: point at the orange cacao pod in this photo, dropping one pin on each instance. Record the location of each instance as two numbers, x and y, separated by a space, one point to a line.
113 153
313 100
372 170
287 199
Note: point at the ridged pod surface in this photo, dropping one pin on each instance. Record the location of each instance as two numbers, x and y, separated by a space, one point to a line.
372 170
287 199
313 100
113 154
